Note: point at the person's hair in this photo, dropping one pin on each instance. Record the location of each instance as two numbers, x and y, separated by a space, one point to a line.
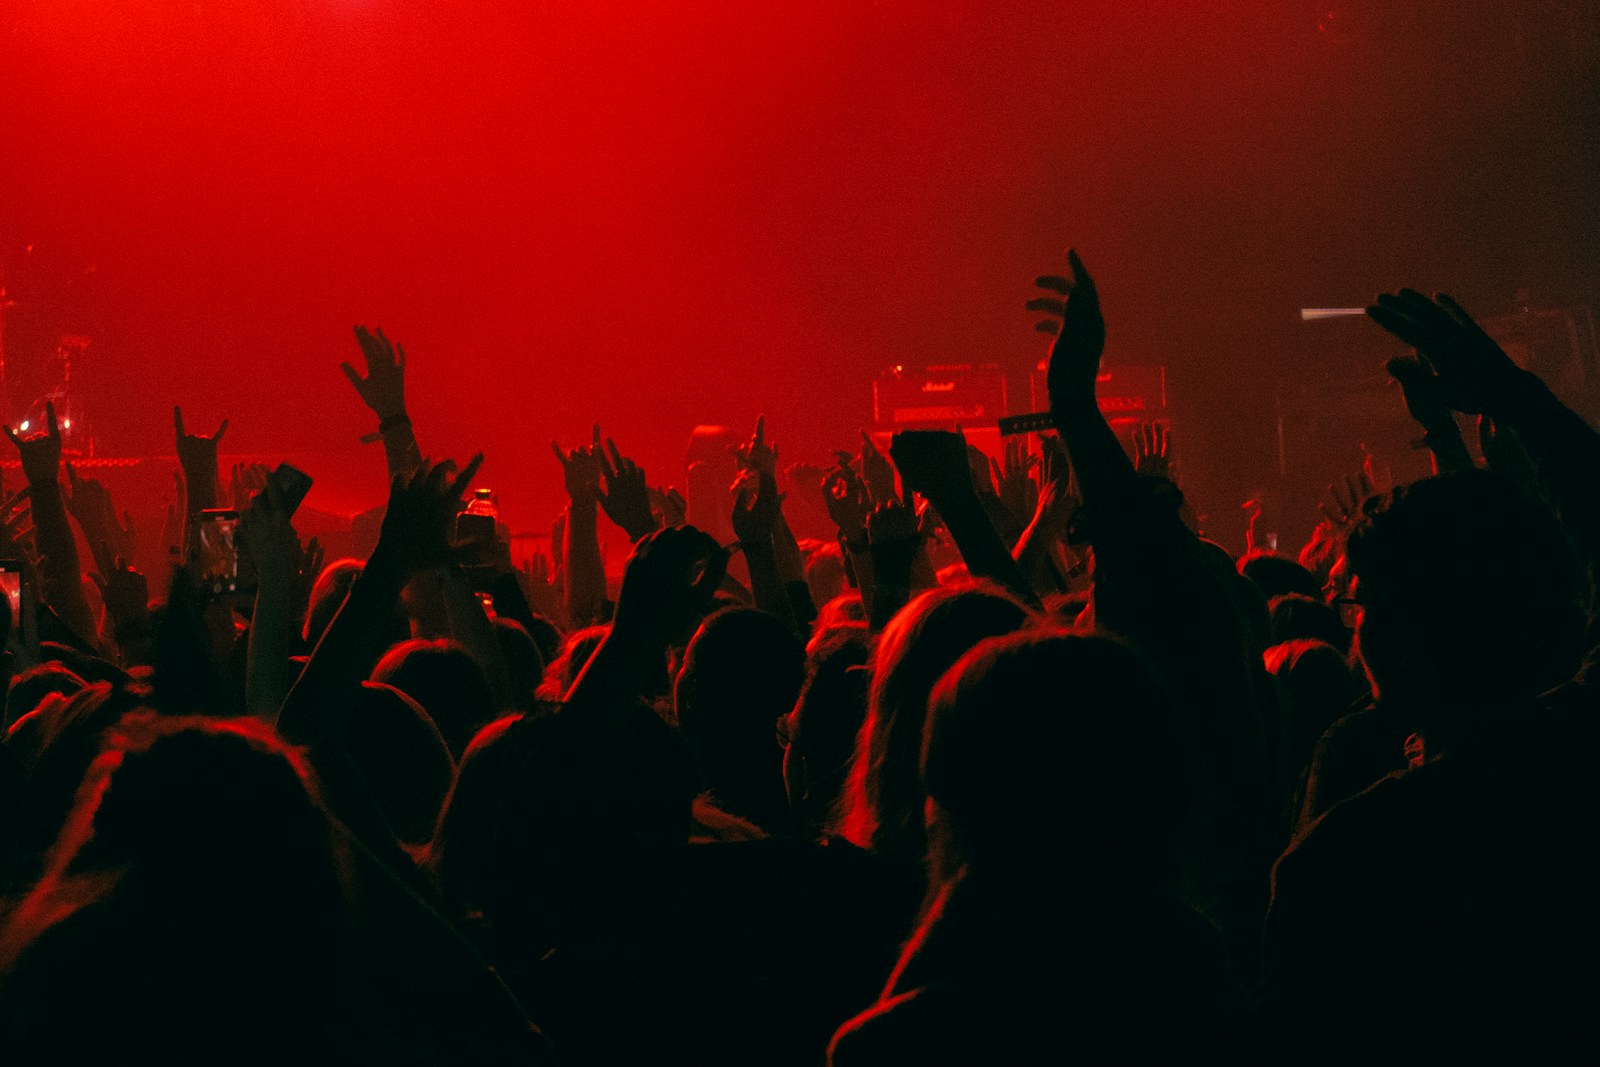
1044 747
1276 576
554 821
57 741
33 685
448 683
547 635
1322 550
821 729
847 607
742 670
825 570
1319 687
197 868
1473 600
524 661
459 856
402 757
327 597
881 806
565 668
1297 617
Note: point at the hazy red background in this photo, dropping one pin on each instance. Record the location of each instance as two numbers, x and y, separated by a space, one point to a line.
664 213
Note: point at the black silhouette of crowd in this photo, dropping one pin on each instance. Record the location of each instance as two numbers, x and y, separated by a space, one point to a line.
1013 767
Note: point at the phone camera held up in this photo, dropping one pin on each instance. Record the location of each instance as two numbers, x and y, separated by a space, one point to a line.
478 526
217 551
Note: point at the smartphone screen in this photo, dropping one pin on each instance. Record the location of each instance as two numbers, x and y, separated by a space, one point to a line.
11 582
216 539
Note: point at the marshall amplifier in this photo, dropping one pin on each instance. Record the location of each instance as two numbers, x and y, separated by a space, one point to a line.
938 398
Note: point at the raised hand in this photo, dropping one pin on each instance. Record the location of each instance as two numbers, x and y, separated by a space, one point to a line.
16 529
265 529
1075 357
40 452
1470 371
892 522
1151 441
417 527
196 452
1378 473
1013 478
668 505
934 463
1054 466
1346 498
541 587
89 501
846 498
668 584
624 497
126 595
245 481
1422 391
877 472
755 508
580 470
1252 513
758 454
383 387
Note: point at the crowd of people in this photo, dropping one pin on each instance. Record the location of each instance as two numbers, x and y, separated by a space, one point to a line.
1012 766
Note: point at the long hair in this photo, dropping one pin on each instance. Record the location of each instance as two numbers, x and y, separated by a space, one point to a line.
881 806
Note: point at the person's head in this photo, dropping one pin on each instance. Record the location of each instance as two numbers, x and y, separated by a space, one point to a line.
825 573
1054 751
402 757
565 668
459 856
554 821
845 608
1471 599
819 734
1276 576
327 597
523 659
34 684
1319 686
1296 616
881 807
741 672
1324 549
197 866
547 635
57 741
448 683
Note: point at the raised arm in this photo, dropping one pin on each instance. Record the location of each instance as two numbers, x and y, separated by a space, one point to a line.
755 518
275 550
624 492
583 569
934 463
1424 398
415 536
197 459
1471 373
59 571
667 588
383 390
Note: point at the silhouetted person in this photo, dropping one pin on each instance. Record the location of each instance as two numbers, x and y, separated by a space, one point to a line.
1448 910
